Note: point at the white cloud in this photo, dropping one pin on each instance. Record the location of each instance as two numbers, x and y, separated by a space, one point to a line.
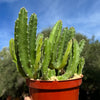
56 12
85 23
93 19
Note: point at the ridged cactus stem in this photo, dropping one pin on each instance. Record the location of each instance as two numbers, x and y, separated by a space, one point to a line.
39 43
56 43
61 46
76 55
18 64
69 35
53 39
81 45
70 59
21 41
32 39
81 65
13 55
12 50
55 31
65 56
46 58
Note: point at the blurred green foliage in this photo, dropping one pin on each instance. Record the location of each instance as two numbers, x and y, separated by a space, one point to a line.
10 79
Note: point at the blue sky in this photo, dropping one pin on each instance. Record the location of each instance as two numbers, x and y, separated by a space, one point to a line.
84 15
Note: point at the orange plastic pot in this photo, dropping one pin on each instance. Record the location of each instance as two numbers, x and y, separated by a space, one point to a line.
54 90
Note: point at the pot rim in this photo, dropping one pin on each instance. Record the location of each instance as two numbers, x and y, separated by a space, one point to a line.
54 80
54 85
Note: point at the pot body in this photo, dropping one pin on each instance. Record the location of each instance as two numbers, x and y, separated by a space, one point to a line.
54 90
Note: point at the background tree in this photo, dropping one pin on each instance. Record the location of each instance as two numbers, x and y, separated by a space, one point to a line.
10 79
46 32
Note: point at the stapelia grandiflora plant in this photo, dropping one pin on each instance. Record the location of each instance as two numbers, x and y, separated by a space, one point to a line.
54 58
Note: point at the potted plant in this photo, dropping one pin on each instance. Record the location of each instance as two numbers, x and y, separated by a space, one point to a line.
52 66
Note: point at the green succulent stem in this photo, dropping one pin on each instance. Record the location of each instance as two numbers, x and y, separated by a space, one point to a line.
13 55
81 65
46 58
32 39
65 56
12 50
39 43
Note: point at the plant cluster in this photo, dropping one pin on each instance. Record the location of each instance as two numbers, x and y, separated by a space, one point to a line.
57 56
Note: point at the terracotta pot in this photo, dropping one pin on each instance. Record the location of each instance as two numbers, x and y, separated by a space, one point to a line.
54 90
